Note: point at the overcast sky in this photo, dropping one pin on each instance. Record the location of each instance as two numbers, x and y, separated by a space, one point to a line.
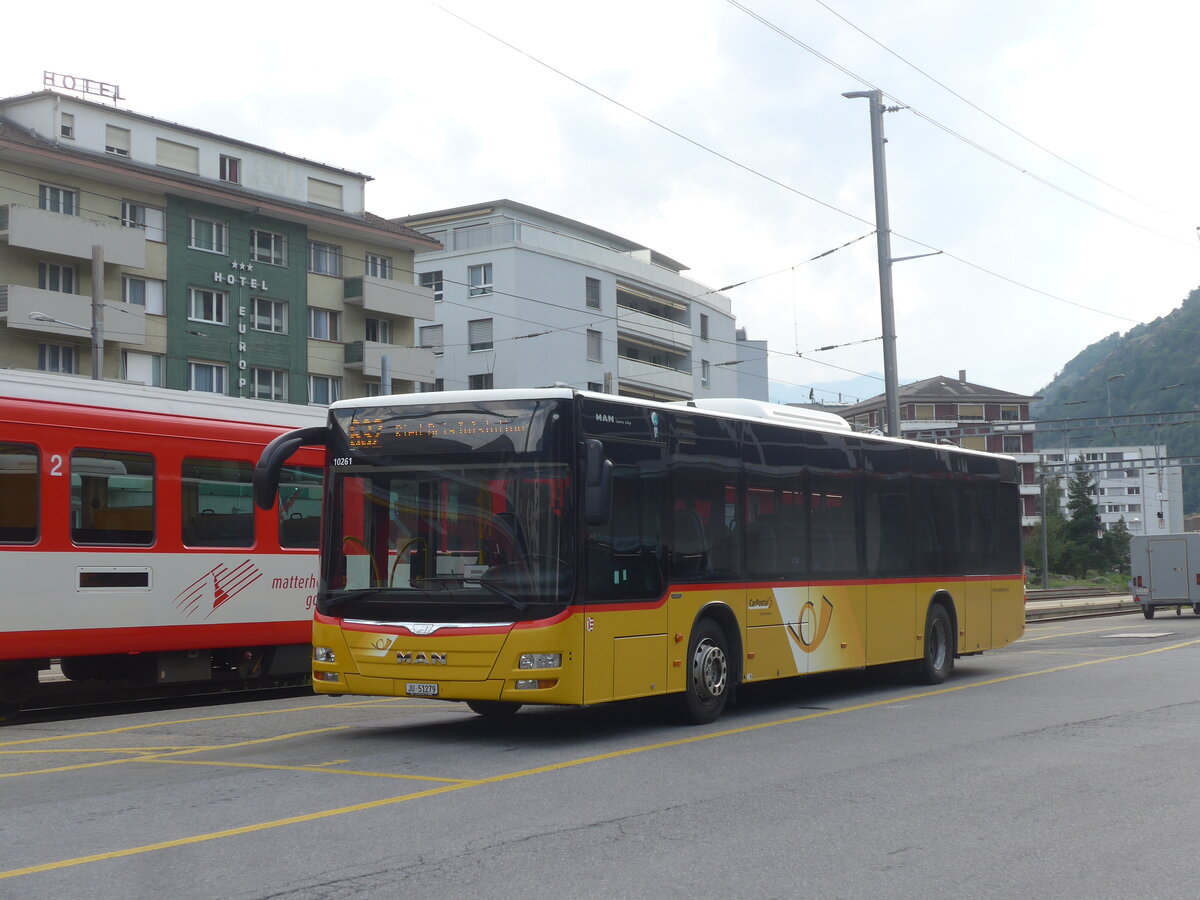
1049 147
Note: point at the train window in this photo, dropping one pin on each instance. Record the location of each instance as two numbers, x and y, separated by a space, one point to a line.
300 507
112 497
19 488
217 507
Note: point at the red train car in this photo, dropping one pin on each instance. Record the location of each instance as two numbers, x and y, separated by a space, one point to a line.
130 547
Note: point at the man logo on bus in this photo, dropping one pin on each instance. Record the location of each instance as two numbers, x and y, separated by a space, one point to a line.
216 587
811 629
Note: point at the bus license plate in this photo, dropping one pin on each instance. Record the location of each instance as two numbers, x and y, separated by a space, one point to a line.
421 689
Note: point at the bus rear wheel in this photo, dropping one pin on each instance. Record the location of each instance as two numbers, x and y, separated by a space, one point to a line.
707 689
493 709
939 646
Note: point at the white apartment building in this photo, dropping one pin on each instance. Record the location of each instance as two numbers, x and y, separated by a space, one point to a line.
528 298
1137 484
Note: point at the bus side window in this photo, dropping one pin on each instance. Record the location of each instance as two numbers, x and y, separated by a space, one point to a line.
19 469
112 497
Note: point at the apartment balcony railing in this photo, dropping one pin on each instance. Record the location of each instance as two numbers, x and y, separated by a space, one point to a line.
405 363
73 236
393 298
123 322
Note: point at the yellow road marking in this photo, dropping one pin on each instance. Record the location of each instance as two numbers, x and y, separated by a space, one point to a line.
320 770
567 764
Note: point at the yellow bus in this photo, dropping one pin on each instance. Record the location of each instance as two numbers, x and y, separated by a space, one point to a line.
553 546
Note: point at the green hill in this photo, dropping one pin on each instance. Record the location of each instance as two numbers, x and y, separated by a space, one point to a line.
1160 365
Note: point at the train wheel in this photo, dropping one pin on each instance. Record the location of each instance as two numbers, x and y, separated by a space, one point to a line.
494 709
707 689
939 646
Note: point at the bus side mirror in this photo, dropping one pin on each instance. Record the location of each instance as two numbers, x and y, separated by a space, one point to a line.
597 483
275 454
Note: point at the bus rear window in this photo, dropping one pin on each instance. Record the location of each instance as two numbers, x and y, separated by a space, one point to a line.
19 488
112 497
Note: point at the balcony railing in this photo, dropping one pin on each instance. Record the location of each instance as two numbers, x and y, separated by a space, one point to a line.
405 363
393 298
123 322
73 236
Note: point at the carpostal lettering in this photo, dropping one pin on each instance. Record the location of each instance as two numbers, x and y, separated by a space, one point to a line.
294 583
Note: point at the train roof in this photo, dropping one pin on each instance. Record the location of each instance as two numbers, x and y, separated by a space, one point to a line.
22 384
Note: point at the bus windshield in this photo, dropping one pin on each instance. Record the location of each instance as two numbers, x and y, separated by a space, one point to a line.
466 540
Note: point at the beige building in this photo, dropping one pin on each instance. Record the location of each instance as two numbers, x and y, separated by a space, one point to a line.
222 266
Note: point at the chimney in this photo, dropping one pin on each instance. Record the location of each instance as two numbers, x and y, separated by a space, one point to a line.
962 375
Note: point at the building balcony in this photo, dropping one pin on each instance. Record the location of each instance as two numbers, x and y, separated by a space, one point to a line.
405 363
123 322
392 298
661 331
652 378
72 236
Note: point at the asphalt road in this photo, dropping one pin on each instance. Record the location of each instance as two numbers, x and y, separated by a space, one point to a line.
1060 767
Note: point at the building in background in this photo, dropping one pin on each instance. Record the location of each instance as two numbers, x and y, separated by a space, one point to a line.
223 266
1138 484
529 298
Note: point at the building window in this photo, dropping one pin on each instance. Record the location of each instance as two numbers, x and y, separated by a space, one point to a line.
205 305
147 292
268 247
324 324
592 292
923 412
479 334
595 387
55 277
172 155
208 235
378 330
1010 413
480 382
116 140
66 126
206 377
144 368
595 346
970 412
433 281
379 266
149 218
231 169
479 279
703 327
325 193
58 199
704 373
431 336
438 384
268 384
56 358
324 389
324 259
1011 443
268 315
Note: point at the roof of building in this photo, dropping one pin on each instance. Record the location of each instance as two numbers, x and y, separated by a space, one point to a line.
941 389
493 207
199 132
18 137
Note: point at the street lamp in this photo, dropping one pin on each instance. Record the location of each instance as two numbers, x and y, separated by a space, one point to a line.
96 360
1108 387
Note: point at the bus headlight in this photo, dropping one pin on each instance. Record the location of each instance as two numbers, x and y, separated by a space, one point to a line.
536 684
540 661
324 654
326 676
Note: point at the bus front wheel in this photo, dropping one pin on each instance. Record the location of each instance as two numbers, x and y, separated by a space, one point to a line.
707 689
939 646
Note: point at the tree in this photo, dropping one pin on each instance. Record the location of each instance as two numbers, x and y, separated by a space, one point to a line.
1116 547
1054 523
1082 544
